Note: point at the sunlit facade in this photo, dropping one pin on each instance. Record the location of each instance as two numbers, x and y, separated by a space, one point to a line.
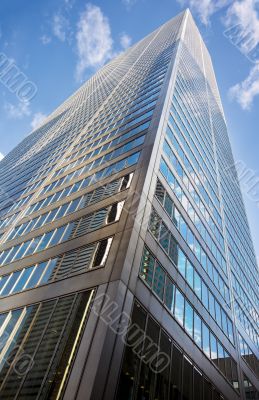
127 265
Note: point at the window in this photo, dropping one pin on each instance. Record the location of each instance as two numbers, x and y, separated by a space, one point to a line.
169 294
164 237
101 253
173 249
187 379
10 284
197 329
188 318
36 275
197 385
181 262
221 358
218 313
197 284
213 348
159 282
176 373
52 349
190 239
168 205
205 294
147 267
179 306
183 228
189 273
205 339
212 305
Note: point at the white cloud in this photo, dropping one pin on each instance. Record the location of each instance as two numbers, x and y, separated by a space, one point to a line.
45 39
243 14
1 156
204 8
129 3
18 111
245 92
94 40
37 119
125 40
60 26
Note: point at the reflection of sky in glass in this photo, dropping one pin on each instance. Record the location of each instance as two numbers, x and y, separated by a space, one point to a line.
213 349
179 306
197 330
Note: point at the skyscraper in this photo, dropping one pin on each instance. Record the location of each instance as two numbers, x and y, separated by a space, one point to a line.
127 265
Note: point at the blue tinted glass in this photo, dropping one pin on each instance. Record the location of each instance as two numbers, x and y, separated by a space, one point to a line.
179 306
13 278
189 273
169 294
36 275
23 279
197 329
48 271
181 262
188 318
205 340
3 282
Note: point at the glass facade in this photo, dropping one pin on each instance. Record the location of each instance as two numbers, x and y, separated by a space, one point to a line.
127 265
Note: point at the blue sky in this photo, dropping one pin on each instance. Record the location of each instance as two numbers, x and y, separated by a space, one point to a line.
57 44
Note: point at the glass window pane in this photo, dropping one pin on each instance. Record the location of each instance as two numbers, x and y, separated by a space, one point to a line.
44 241
173 249
181 262
230 331
3 281
205 339
197 329
205 299
159 282
197 284
169 294
147 267
224 322
188 318
164 238
218 313
190 239
23 279
221 358
168 205
179 306
11 282
189 273
213 348
212 305
58 233
36 275
68 232
48 271
183 227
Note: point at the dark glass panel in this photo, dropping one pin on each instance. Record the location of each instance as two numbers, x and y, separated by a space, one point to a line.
187 380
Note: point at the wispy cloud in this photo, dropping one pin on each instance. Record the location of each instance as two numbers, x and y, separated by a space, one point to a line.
37 119
125 40
17 111
60 26
45 39
204 9
129 3
243 16
1 156
94 40
245 92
